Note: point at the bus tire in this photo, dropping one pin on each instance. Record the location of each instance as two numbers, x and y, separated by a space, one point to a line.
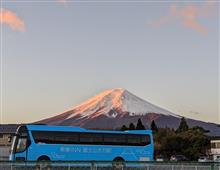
43 163
118 163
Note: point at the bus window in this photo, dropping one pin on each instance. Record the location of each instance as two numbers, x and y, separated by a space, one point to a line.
21 140
21 145
91 138
65 138
133 140
114 139
41 137
48 137
145 140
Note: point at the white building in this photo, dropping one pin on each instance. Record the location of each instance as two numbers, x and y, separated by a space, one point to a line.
215 147
6 131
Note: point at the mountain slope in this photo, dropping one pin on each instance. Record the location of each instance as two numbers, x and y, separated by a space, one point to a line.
111 103
116 107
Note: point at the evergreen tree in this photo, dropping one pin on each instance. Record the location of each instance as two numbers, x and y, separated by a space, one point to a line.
189 143
183 125
154 126
124 127
131 126
140 126
199 129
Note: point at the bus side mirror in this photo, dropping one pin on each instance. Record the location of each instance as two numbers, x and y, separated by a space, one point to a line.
9 139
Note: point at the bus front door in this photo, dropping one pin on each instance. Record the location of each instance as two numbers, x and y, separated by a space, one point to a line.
21 149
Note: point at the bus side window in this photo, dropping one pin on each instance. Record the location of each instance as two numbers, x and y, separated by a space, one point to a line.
115 139
91 138
65 138
42 137
145 140
133 140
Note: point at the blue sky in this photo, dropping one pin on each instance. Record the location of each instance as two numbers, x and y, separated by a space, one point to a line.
58 54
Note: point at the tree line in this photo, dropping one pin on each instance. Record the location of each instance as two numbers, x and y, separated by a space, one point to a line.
191 142
131 126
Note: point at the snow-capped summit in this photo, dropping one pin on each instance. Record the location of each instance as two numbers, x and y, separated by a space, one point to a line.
111 103
116 99
116 107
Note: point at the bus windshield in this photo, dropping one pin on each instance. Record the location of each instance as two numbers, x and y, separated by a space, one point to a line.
20 139
21 144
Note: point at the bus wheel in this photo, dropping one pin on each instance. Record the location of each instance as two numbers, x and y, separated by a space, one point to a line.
43 163
118 163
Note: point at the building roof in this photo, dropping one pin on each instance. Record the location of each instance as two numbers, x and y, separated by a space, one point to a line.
215 137
215 134
8 128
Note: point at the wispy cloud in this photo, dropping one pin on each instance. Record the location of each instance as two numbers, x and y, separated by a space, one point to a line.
11 19
194 112
189 16
63 2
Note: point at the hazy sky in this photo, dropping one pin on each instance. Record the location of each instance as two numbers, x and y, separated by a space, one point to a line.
56 54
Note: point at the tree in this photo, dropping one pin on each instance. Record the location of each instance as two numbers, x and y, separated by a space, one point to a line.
191 143
140 126
131 126
183 126
153 126
199 129
123 128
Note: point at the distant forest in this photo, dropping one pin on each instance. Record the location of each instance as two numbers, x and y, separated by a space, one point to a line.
190 142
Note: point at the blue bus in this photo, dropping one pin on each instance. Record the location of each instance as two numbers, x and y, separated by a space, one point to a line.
68 143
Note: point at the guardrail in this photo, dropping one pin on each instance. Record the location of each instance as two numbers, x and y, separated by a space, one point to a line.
99 165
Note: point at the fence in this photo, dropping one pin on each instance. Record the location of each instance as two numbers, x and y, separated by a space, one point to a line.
107 166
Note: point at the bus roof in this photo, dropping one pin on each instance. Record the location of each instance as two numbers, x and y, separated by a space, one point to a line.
79 129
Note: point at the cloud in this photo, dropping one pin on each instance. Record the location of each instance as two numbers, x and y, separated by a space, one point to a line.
189 16
195 112
12 20
63 2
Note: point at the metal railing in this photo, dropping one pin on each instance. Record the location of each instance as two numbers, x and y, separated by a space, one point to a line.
96 165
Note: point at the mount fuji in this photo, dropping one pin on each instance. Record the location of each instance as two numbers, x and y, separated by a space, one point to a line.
116 107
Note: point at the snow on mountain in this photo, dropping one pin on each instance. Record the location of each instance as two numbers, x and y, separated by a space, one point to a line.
116 107
116 99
